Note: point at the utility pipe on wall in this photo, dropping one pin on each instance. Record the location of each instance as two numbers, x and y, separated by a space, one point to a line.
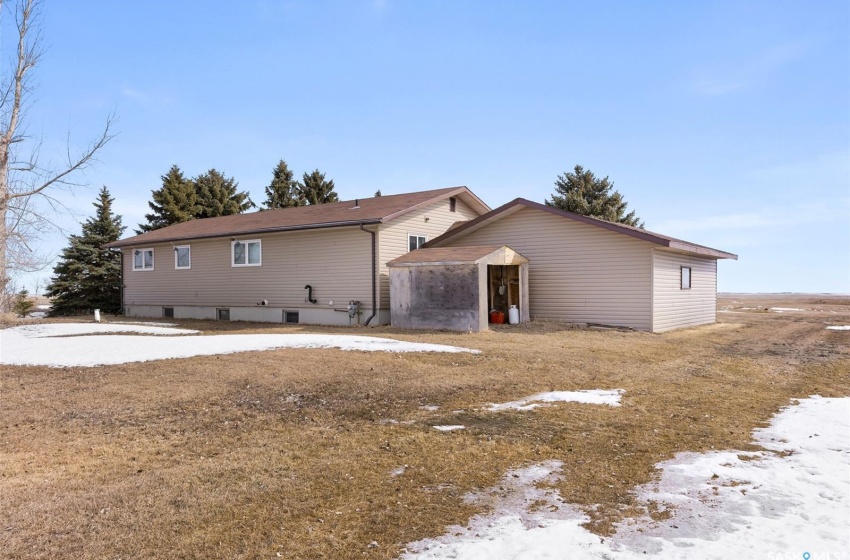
374 277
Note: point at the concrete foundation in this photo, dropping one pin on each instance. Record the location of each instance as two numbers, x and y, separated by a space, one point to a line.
260 314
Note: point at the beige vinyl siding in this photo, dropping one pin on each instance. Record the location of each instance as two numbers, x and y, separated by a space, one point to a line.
392 239
334 261
577 272
674 307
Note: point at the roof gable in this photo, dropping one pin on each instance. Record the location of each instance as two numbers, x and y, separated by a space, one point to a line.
373 210
638 233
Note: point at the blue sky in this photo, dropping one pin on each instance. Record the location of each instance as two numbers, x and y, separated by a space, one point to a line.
724 123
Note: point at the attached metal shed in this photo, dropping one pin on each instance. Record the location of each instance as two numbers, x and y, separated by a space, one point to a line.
456 287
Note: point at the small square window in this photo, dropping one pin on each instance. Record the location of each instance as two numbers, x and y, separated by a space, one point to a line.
142 259
222 314
415 241
168 312
686 278
182 256
246 253
290 317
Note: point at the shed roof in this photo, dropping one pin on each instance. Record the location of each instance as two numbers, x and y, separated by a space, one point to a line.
373 210
491 254
520 203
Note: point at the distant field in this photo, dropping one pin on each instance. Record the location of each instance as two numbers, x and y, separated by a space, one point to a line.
328 454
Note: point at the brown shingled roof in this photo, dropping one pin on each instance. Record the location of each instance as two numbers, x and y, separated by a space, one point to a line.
373 210
517 204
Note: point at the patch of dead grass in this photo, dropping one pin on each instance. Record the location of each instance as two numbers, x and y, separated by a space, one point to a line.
292 451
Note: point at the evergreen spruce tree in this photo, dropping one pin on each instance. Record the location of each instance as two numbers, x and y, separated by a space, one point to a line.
217 195
88 276
583 193
378 193
316 190
283 191
173 203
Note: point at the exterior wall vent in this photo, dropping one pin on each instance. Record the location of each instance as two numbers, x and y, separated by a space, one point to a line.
290 317
168 312
222 314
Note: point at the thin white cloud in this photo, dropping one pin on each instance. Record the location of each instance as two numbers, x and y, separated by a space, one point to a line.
731 78
145 98
765 218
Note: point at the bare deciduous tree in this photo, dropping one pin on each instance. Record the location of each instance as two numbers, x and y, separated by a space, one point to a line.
26 186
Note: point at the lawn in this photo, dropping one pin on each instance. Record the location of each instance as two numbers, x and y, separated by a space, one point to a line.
324 453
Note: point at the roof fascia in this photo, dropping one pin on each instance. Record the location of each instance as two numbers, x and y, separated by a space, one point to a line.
126 243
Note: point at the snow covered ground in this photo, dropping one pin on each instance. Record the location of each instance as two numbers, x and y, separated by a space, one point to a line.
592 396
789 502
839 328
62 344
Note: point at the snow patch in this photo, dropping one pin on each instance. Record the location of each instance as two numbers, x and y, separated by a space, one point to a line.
791 499
449 428
430 407
60 344
594 396
838 328
784 309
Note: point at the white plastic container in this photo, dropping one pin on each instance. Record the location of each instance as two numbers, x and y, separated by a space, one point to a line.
97 315
513 315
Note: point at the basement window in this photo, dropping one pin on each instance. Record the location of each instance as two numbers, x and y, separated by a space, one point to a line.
415 241
142 259
246 253
182 257
168 312
290 317
686 278
222 314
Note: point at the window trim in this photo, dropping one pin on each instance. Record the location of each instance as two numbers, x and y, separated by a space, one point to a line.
417 236
246 242
143 267
682 277
176 258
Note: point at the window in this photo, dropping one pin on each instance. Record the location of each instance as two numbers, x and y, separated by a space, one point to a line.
168 312
415 241
182 256
246 253
142 259
686 278
290 316
222 314
452 204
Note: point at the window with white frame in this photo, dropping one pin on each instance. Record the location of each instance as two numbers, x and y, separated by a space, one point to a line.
142 259
246 253
686 278
414 241
182 256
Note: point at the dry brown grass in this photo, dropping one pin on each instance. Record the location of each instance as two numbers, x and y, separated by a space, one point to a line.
249 455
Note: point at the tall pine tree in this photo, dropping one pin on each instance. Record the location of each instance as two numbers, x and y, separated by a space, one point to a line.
583 193
316 190
175 202
283 191
88 276
217 195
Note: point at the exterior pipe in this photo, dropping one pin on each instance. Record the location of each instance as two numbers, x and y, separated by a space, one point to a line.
121 287
374 277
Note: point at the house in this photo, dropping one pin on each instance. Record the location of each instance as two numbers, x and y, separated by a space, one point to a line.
586 270
322 264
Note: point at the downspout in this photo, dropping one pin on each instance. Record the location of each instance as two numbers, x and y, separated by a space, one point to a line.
374 277
121 288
